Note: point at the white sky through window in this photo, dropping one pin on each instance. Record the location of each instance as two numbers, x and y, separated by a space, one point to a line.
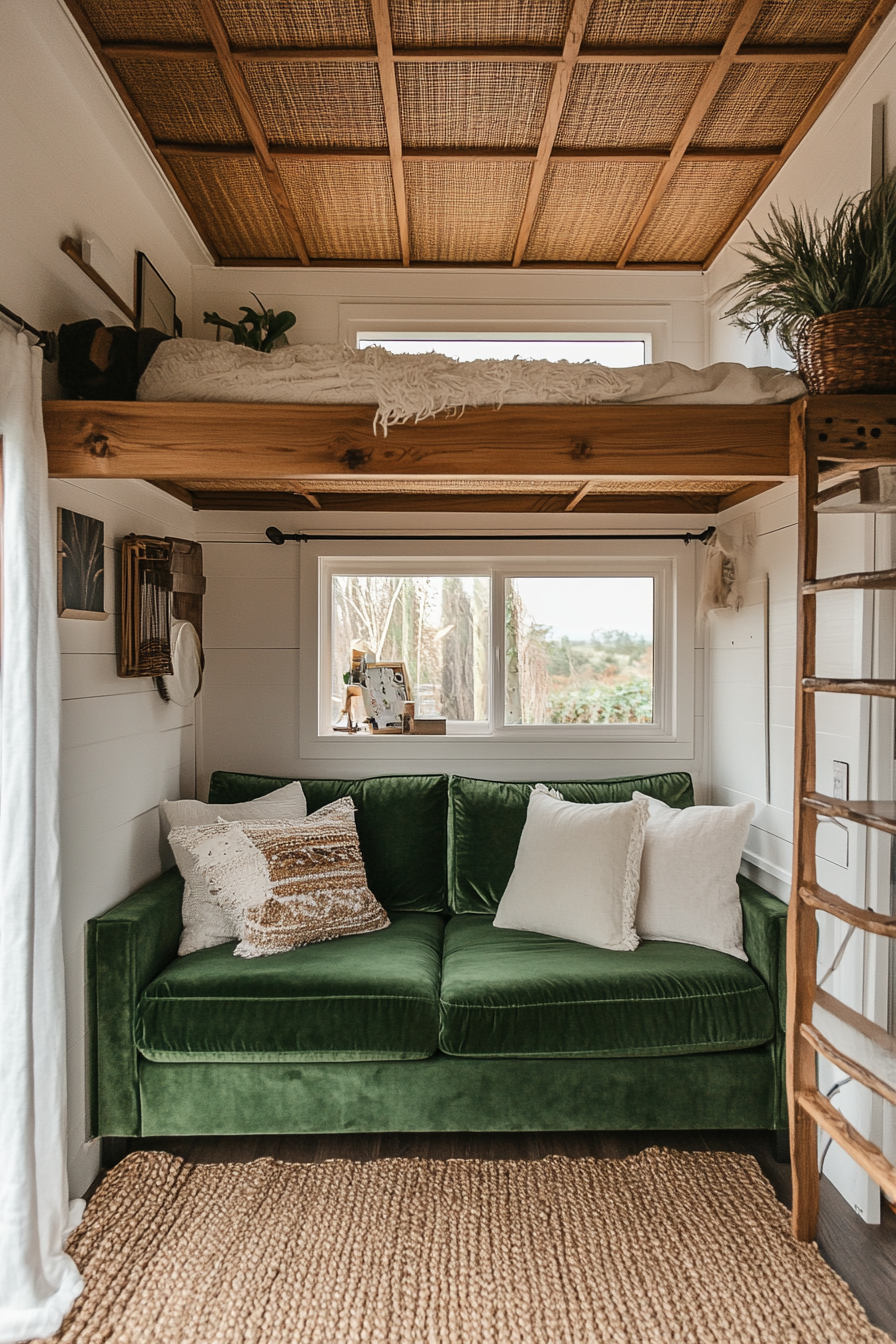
577 606
615 354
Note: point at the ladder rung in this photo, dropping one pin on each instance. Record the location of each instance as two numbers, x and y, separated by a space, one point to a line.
868 1155
880 815
875 578
872 921
851 686
863 1049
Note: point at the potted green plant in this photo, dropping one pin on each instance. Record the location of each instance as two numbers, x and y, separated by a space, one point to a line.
827 290
263 330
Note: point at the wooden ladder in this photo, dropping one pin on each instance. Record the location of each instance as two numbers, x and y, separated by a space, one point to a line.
841 445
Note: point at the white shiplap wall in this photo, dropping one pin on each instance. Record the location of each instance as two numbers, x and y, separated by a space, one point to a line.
123 749
253 693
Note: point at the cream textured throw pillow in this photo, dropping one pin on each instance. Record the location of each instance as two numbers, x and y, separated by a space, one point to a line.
205 923
689 891
278 885
576 871
286 804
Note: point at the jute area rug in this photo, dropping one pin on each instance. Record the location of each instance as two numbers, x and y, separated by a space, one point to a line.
661 1248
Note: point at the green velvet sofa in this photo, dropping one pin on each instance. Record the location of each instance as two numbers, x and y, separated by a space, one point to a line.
441 1021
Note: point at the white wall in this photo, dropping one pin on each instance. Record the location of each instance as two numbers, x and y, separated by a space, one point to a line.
332 303
833 161
253 694
72 163
123 749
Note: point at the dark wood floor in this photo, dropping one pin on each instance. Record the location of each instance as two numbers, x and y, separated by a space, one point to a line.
864 1256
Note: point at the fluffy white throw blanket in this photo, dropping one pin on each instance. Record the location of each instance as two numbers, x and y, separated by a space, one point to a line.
415 387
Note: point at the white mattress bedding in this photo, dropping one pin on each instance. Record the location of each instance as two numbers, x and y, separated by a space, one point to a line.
415 387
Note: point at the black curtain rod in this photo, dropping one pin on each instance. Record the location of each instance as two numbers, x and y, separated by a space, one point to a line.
45 339
278 538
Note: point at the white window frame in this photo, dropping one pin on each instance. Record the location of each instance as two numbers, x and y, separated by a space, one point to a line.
671 565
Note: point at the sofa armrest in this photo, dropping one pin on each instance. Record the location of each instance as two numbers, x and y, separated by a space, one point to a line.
765 943
127 947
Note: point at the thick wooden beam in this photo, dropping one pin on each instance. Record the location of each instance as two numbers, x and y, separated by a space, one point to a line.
819 103
231 441
248 113
382 25
715 76
617 55
575 32
261 501
96 46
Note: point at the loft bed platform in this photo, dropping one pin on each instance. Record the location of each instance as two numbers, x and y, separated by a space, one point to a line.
532 458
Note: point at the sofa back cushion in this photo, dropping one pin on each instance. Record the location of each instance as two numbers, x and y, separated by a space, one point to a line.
402 827
486 819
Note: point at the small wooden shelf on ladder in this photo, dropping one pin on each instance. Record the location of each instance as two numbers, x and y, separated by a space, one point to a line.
855 437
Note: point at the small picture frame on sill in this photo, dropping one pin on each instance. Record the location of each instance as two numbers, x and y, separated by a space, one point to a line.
80 560
156 303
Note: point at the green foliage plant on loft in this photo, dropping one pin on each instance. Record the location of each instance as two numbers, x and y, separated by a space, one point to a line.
827 290
262 330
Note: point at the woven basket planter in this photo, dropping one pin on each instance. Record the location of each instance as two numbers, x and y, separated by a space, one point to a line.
852 351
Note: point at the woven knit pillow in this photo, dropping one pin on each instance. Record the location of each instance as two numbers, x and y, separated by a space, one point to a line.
310 886
226 873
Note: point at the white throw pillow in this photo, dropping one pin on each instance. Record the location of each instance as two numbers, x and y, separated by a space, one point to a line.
286 804
205 923
576 871
689 891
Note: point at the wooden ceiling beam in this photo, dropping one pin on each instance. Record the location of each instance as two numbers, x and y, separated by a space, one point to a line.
701 55
248 114
203 440
824 96
746 17
349 263
340 153
563 73
382 25
93 41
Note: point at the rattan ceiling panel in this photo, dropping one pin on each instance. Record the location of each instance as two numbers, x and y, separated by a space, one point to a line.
318 102
514 23
627 104
473 103
284 23
632 23
761 104
586 210
345 210
233 201
464 212
700 201
802 22
187 101
145 21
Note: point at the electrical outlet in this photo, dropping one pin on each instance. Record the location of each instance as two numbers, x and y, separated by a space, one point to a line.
841 780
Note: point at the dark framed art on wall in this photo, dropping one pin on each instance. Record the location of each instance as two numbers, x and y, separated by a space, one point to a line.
80 577
156 303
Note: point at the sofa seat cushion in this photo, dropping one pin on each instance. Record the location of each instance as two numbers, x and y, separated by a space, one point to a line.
373 996
510 993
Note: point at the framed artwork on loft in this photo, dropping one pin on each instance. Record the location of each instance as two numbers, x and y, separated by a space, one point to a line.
156 303
80 577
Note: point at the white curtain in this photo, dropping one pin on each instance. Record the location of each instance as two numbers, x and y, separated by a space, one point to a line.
38 1281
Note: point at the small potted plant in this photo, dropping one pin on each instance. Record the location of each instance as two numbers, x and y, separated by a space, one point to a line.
264 330
827 290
